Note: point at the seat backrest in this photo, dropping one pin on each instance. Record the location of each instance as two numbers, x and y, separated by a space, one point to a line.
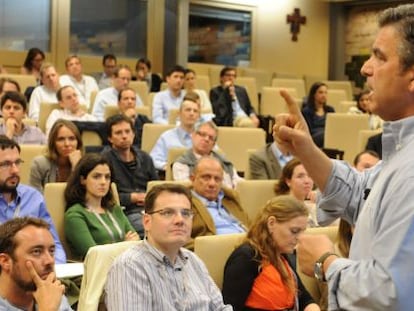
141 88
113 110
363 137
203 83
173 154
311 284
150 133
27 153
172 116
341 85
250 84
345 105
341 132
254 194
54 194
153 183
272 103
44 112
234 142
24 81
335 97
91 138
214 250
97 263
298 84
263 77
92 101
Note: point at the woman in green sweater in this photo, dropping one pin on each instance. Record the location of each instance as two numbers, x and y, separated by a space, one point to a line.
92 217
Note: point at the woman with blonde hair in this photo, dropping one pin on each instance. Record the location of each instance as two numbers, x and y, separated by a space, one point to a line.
63 153
258 274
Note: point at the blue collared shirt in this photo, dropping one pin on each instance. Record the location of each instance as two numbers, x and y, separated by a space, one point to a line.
163 102
237 110
224 222
29 202
281 158
174 138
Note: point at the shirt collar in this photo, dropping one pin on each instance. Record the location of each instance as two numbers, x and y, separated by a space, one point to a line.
396 135
163 259
206 201
279 155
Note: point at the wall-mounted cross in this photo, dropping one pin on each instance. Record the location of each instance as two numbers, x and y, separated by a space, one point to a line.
295 20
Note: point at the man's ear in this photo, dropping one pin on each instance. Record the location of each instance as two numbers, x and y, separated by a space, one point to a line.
5 262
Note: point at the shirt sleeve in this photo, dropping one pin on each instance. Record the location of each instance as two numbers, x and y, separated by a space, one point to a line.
157 110
98 107
34 105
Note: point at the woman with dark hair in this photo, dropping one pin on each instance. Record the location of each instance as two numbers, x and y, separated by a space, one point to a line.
315 111
363 106
258 274
296 182
92 217
63 152
33 62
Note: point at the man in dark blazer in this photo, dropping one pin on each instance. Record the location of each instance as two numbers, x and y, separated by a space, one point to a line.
268 162
230 102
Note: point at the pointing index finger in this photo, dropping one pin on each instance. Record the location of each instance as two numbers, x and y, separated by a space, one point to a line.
290 102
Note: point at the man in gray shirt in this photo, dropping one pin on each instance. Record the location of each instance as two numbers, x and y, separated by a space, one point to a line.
159 274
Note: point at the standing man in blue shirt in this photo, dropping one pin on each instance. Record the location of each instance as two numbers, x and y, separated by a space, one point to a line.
378 201
17 200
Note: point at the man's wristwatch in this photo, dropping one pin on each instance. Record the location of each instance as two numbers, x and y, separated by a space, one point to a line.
318 269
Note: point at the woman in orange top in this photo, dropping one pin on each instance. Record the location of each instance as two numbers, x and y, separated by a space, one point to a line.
258 274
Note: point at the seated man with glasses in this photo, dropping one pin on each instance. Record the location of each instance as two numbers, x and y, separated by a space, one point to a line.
159 274
218 209
17 200
204 140
230 102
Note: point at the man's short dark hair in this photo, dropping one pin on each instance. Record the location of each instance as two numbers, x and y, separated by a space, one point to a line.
123 90
176 68
118 68
108 56
116 119
225 70
10 228
370 152
15 97
7 143
145 61
155 192
60 90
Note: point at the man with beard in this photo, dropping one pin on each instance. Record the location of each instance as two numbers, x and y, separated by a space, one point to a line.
133 168
27 279
18 200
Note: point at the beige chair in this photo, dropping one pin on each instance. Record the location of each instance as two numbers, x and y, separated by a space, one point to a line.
311 284
341 85
214 74
141 88
97 263
335 97
91 138
199 68
150 134
27 153
341 132
24 81
363 137
345 105
173 116
272 103
214 250
247 173
254 194
173 154
234 142
54 194
92 101
164 86
203 83
44 112
250 84
263 77
298 84
113 110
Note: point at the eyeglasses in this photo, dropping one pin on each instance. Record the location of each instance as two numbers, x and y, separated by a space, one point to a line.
169 213
205 135
8 164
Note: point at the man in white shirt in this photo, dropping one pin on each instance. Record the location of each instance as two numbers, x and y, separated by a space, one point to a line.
45 93
70 108
83 84
120 80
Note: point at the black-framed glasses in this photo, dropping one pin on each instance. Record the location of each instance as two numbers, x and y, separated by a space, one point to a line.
205 135
169 213
8 164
